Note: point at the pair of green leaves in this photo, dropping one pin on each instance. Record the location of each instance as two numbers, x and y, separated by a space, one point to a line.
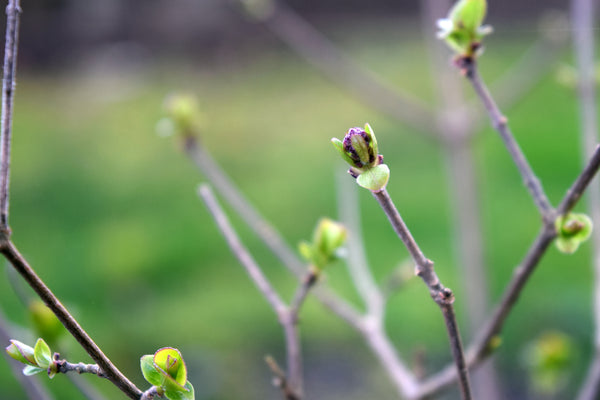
572 230
166 370
462 30
328 239
36 359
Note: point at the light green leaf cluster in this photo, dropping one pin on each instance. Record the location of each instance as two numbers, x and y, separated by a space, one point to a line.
463 29
328 238
166 370
37 359
572 230
183 116
549 359
359 149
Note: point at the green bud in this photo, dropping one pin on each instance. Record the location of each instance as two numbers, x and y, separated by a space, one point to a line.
45 322
359 149
182 113
328 238
167 371
462 29
21 352
572 230
549 359
42 354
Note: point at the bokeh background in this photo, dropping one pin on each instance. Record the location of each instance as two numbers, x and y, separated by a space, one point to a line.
106 211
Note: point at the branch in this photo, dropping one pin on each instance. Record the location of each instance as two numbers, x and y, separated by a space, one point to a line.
342 69
582 15
500 123
483 345
440 294
13 11
287 317
65 367
10 252
264 230
349 209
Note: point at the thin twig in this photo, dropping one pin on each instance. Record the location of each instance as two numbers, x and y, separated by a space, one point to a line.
457 125
500 123
239 250
13 11
482 346
582 17
286 318
150 393
10 252
264 230
440 294
65 367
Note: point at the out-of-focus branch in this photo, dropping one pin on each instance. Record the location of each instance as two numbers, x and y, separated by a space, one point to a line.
483 345
349 210
582 17
342 69
287 316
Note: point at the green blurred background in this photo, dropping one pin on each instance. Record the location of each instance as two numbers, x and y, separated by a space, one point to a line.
105 209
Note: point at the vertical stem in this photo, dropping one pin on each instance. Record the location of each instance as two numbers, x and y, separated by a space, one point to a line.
13 11
582 16
440 294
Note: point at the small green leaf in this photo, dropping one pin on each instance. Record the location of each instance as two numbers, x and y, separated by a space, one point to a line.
42 354
305 250
151 374
170 362
21 352
374 179
188 394
468 14
572 230
31 370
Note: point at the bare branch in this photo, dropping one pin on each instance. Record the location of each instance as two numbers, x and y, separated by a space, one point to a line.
13 10
264 230
286 318
240 252
582 16
483 346
500 123
10 252
440 294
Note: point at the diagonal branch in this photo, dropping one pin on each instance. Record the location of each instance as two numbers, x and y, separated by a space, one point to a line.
10 252
500 123
287 316
483 345
443 296
342 69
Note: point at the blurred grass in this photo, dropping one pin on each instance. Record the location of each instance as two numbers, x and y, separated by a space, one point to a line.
106 211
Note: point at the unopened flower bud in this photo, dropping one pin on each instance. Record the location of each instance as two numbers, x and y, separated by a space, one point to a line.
359 149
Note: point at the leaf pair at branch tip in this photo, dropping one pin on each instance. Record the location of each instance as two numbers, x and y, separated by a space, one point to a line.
572 230
359 149
166 370
182 118
462 30
36 359
326 245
